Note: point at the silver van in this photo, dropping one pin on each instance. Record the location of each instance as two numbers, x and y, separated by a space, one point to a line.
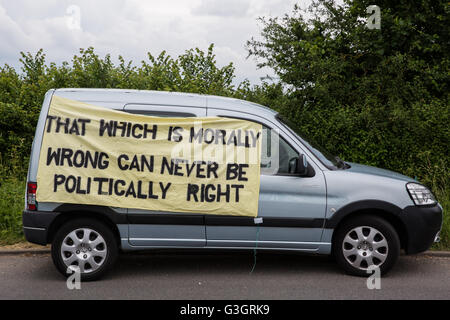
310 202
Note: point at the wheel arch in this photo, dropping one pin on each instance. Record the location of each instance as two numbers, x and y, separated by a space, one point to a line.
69 212
387 211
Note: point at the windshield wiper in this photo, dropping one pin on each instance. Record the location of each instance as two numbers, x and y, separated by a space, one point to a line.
341 163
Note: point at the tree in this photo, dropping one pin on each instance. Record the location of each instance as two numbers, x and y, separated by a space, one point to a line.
374 96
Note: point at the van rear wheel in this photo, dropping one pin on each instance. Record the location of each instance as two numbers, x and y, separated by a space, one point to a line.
364 243
86 246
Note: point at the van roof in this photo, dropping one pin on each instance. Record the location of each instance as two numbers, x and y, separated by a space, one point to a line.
121 97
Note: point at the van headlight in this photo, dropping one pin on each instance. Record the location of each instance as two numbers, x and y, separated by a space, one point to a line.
420 194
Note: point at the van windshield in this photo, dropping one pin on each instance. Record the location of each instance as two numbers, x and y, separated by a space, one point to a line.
328 159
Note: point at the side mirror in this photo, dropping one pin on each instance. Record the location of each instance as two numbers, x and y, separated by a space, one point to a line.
298 165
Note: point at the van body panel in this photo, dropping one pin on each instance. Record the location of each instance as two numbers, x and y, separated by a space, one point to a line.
345 187
165 110
123 97
37 141
369 170
161 235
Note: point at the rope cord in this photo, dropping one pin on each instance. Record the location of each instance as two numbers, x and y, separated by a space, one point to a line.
256 247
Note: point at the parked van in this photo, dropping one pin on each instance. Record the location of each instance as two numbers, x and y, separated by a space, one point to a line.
313 202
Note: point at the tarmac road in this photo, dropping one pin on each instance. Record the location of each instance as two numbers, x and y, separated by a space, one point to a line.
224 275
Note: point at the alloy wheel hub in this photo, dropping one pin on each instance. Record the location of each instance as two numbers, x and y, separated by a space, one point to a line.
364 247
84 248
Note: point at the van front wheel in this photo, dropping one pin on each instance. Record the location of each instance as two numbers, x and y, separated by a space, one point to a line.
86 246
365 243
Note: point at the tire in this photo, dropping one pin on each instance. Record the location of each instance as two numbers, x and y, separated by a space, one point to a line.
86 243
365 241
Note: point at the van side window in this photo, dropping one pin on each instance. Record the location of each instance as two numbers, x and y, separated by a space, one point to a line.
162 114
275 153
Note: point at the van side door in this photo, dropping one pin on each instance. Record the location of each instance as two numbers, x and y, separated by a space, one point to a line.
292 207
165 229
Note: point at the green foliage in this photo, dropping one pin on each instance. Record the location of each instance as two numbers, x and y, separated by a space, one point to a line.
16 135
379 97
11 206
444 199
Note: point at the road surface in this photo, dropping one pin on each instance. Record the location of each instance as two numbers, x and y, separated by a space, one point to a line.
225 275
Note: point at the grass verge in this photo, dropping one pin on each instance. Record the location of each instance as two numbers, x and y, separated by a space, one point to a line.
444 199
12 192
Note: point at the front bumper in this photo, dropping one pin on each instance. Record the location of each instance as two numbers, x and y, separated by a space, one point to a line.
422 224
36 225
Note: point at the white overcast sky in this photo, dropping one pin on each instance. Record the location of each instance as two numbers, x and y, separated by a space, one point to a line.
134 27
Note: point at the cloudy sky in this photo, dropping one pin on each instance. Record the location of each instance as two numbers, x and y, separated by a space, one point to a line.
133 27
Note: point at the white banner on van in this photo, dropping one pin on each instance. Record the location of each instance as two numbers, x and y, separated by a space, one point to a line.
98 156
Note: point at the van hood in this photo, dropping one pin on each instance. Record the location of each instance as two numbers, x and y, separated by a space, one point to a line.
361 168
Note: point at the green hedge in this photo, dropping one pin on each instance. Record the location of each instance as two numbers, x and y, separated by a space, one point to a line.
12 192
